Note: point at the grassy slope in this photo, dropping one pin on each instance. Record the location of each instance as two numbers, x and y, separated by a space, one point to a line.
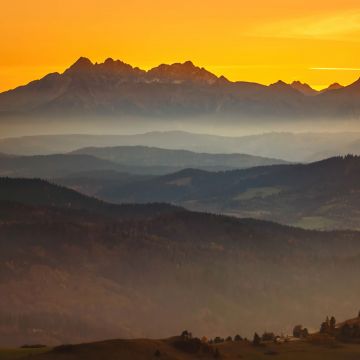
145 349
14 354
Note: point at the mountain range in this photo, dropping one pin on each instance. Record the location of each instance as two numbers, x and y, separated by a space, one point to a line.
115 88
309 91
75 269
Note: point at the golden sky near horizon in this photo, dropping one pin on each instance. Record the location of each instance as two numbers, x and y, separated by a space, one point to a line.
316 41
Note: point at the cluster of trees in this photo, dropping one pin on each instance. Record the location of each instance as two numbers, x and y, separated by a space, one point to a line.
265 337
256 341
193 345
219 340
349 332
328 326
346 332
300 332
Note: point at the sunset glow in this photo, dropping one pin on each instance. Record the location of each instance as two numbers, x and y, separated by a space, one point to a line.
257 41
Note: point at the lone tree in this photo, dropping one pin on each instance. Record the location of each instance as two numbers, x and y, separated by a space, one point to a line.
297 331
237 338
186 335
300 332
305 333
256 340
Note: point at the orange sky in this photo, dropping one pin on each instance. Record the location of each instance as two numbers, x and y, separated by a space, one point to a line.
315 41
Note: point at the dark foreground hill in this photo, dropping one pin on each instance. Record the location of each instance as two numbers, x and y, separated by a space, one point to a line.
145 349
74 274
323 195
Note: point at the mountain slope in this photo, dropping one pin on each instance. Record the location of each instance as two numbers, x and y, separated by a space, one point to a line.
77 274
322 195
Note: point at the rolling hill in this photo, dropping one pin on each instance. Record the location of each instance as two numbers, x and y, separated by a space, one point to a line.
323 195
175 159
123 161
36 192
144 349
52 165
295 147
80 273
93 182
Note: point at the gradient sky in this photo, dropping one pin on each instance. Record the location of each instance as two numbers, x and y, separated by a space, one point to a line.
315 41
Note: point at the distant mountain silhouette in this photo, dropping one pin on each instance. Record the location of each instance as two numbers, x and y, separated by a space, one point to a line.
181 89
334 86
304 88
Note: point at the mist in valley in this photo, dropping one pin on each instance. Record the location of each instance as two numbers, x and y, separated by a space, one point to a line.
298 141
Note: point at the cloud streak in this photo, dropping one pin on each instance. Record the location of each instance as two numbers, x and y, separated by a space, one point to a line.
335 69
339 26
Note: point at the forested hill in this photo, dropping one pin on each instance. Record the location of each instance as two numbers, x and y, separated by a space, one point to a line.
323 195
78 273
39 192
